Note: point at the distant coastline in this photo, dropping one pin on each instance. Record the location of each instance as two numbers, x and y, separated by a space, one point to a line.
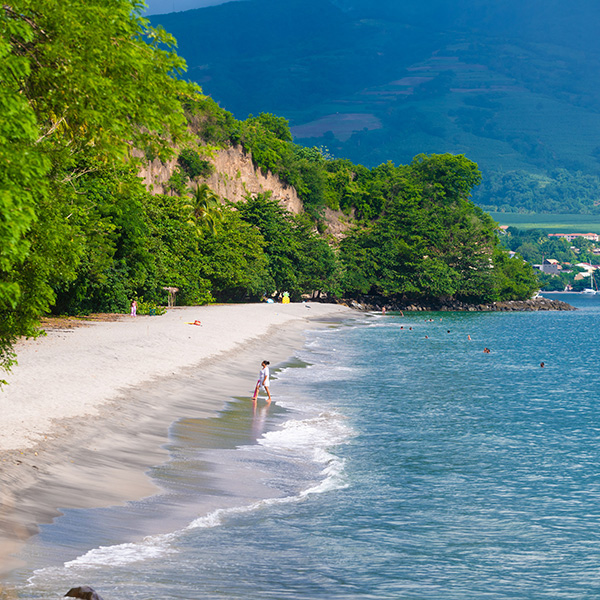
372 303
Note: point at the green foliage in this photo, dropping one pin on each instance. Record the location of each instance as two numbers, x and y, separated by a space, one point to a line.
22 184
278 126
318 179
227 264
560 191
82 83
445 177
173 243
513 278
233 260
178 181
534 245
204 208
85 82
145 307
100 77
210 122
298 259
109 233
431 240
193 165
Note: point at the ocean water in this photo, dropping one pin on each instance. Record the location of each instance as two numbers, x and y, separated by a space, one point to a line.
398 461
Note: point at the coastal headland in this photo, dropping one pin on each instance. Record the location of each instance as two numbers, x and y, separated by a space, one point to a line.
86 411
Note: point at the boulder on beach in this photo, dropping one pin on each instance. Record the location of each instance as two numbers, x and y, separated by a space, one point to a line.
85 592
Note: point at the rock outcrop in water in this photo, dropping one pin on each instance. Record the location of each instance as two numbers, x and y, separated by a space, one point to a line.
371 303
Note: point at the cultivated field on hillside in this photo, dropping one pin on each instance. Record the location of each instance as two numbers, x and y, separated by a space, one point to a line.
566 223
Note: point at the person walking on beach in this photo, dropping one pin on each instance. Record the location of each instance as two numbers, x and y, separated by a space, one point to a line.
263 379
133 308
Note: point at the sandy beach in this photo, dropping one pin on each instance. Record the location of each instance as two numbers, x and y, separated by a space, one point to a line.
87 409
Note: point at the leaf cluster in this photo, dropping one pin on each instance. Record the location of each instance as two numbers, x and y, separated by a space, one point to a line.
431 241
82 84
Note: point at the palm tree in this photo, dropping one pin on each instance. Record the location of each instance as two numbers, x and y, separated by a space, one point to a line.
205 208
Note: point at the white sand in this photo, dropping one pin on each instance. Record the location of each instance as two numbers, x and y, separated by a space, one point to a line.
72 373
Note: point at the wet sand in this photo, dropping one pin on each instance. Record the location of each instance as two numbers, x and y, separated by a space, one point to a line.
87 410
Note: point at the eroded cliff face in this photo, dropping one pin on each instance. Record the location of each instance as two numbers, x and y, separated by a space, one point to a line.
236 177
233 179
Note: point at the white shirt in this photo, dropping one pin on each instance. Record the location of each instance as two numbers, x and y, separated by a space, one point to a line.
263 376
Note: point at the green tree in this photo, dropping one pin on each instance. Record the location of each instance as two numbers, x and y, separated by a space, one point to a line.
278 126
276 227
233 260
445 178
174 244
22 184
82 83
514 279
299 260
193 165
431 241
204 208
115 265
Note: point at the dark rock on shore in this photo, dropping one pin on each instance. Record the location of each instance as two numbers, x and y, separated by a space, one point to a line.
85 592
394 304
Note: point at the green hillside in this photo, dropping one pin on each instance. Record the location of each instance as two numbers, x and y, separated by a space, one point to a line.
513 86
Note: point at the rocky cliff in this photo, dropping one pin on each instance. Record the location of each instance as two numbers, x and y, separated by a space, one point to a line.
234 177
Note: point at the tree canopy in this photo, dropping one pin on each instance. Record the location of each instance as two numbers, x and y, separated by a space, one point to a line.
88 90
82 83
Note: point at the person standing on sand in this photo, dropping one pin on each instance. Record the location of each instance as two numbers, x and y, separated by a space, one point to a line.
133 308
263 379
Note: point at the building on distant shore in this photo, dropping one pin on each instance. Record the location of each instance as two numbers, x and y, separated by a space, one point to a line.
589 268
550 266
592 237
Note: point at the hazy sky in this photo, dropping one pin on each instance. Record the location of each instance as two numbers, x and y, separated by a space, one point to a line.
159 7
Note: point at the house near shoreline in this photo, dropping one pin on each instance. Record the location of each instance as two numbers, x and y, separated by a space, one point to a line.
587 267
550 266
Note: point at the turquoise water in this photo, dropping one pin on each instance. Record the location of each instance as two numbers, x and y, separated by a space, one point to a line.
399 461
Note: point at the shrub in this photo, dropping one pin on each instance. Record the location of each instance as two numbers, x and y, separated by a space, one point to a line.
149 308
193 165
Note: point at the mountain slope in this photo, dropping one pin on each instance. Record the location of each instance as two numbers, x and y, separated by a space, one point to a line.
513 86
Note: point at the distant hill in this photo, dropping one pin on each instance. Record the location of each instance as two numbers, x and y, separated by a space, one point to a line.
513 86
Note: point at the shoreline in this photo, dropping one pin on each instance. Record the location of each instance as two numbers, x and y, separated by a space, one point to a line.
96 451
376 303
